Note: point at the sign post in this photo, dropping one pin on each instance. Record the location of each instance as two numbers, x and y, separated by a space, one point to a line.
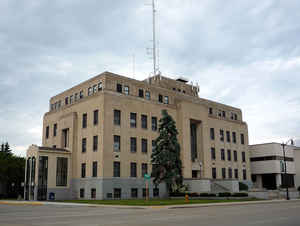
147 178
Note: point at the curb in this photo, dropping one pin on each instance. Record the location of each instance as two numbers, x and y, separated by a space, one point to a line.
21 203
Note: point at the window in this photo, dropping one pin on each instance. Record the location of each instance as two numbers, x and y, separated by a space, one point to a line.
47 132
160 98
126 90
243 156
147 94
244 174
117 143
235 117
153 145
223 114
83 145
93 193
141 93
65 138
154 123
144 145
132 169
194 173
84 120
144 121
235 156
81 192
95 169
223 173
228 136
71 99
155 192
144 169
213 153
234 137
117 193
96 113
95 143
236 173
99 86
212 133
90 91
214 173
134 192
132 120
95 88
210 111
61 171
221 135
222 154
117 117
242 139
119 88
229 155
229 173
83 167
166 100
66 100
117 171
81 94
145 191
133 144
76 96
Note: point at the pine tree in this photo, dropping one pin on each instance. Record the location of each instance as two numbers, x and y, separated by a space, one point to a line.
166 154
2 147
7 148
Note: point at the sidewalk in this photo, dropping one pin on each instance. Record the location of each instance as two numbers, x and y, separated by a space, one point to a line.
39 203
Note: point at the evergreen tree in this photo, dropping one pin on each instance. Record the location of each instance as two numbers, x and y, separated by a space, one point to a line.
2 147
7 148
166 154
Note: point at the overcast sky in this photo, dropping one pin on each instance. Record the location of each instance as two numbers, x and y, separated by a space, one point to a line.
242 53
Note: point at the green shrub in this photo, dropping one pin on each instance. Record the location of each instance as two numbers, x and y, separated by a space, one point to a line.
207 195
243 187
224 194
240 194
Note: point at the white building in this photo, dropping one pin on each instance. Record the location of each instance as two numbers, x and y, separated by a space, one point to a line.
268 168
297 166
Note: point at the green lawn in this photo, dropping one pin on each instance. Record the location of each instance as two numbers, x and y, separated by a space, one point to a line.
156 202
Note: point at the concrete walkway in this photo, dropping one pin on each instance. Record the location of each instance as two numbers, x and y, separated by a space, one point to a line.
37 203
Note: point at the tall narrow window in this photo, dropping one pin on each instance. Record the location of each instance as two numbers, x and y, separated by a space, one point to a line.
222 154
213 153
229 155
81 192
83 145
235 157
65 138
141 93
132 120
154 123
47 132
81 94
66 100
153 145
229 173
61 171
221 135
76 96
117 143
243 156
83 168
119 88
144 145
96 113
244 174
236 173
212 133
71 99
160 98
133 144
242 139
214 173
99 86
223 114
223 173
147 95
90 91
126 90
95 88
144 121
117 117
117 171
234 137
117 193
166 100
133 169
235 117
95 143
210 111
95 169
134 192
228 136
93 193
144 169
84 120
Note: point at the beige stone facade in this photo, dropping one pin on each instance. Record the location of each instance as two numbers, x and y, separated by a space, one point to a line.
213 136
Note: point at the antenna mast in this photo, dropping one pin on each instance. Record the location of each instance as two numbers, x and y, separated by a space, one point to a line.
154 40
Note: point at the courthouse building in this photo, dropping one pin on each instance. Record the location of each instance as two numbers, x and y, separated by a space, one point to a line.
98 139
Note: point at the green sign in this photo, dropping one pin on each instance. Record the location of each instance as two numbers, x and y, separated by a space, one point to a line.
147 177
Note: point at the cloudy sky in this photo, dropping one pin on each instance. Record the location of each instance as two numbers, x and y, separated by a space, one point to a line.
243 53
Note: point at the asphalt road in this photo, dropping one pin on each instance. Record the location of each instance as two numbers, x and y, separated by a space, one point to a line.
273 214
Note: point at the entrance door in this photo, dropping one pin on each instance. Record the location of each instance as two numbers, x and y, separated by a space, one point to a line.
269 181
43 178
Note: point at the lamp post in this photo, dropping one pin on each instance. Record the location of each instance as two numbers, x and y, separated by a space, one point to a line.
285 173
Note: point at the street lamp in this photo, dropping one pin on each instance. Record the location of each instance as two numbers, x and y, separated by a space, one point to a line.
284 159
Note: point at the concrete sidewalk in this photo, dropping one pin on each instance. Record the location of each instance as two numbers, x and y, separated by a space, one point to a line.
38 203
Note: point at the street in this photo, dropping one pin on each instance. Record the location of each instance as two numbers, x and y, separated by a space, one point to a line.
272 214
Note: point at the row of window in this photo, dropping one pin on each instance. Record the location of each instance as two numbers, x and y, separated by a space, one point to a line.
230 173
228 136
147 96
117 193
272 157
94 169
133 144
223 114
54 130
222 155
84 144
